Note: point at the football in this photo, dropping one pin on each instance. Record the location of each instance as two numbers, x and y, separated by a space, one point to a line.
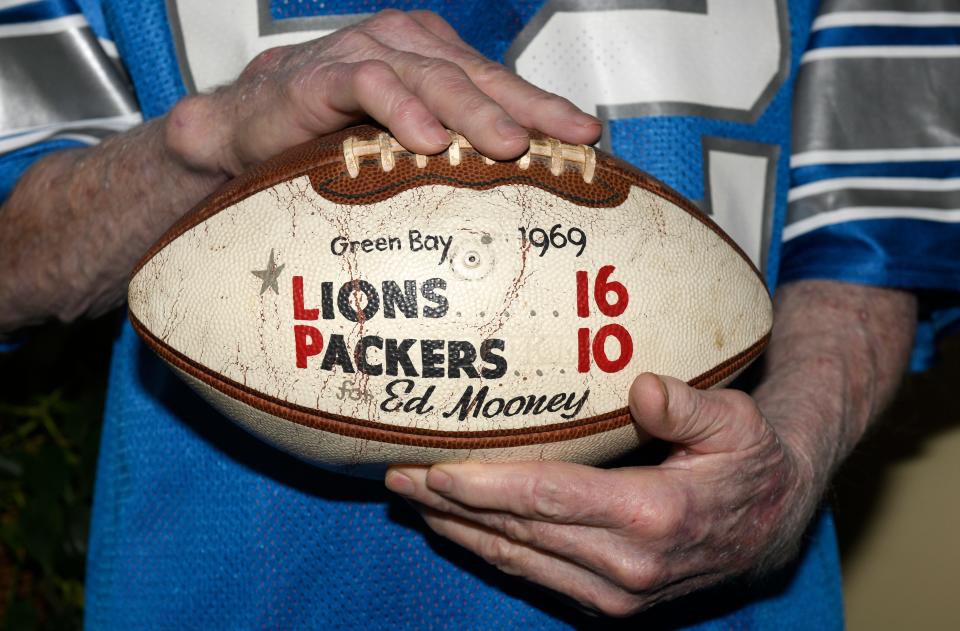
359 306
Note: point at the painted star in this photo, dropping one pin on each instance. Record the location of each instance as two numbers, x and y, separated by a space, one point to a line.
269 276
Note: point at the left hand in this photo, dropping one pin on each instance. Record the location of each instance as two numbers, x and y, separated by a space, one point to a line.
731 498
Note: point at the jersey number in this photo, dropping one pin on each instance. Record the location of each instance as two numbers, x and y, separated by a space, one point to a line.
618 59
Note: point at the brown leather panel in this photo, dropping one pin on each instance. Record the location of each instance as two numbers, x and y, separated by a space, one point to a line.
322 160
373 184
369 430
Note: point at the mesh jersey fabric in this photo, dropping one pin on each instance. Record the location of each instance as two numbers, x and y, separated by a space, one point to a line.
198 525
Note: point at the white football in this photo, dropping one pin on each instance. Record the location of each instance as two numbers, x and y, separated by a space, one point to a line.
359 306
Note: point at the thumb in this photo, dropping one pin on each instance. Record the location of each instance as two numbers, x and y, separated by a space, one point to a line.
702 421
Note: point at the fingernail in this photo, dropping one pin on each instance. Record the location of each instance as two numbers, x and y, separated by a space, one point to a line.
586 120
439 480
399 483
437 135
507 128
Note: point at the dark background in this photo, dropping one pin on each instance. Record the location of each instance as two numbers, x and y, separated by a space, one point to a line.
51 401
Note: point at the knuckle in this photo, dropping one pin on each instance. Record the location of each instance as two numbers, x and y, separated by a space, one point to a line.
295 87
264 62
407 108
750 422
351 41
617 604
637 576
446 74
487 72
657 520
545 498
187 128
446 78
370 74
431 17
499 552
391 19
672 515
511 527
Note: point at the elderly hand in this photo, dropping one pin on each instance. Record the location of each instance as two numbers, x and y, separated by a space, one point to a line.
729 499
409 71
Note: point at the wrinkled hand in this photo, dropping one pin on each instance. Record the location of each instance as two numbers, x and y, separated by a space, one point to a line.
409 71
729 499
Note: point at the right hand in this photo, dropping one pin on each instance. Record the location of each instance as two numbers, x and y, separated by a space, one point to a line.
411 72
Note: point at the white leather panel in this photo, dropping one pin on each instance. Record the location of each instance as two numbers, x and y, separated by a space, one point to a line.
693 303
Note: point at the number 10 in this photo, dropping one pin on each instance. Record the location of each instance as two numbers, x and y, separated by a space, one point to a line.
602 289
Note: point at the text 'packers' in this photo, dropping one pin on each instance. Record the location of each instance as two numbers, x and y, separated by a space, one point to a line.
360 301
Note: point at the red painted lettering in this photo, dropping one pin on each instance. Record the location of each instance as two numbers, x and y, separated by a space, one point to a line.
309 342
299 311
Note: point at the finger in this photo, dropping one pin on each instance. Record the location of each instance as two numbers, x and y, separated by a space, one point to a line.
626 556
373 87
532 106
439 27
428 34
330 97
555 492
411 482
702 421
567 578
450 94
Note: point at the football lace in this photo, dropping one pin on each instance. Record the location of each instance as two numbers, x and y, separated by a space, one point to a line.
385 145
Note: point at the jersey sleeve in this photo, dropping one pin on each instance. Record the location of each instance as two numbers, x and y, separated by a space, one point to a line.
875 165
62 84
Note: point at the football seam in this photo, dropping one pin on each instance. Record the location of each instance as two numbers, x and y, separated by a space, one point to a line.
420 437
480 184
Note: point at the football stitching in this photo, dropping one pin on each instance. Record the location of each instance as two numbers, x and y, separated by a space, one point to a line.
582 157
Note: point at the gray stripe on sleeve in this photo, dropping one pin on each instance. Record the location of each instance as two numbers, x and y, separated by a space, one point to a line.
835 6
807 207
877 103
59 77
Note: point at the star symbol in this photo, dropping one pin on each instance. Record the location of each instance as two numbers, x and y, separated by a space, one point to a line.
269 276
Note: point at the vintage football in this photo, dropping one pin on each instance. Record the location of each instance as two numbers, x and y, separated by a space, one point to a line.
358 305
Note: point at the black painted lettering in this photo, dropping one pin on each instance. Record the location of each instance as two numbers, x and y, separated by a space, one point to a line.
326 300
397 355
556 402
338 246
351 292
535 404
361 359
493 407
461 356
514 406
576 405
394 299
337 355
498 363
388 405
467 403
431 361
429 292
416 240
421 404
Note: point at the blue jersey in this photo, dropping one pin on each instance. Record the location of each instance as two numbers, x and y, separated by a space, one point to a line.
197 524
